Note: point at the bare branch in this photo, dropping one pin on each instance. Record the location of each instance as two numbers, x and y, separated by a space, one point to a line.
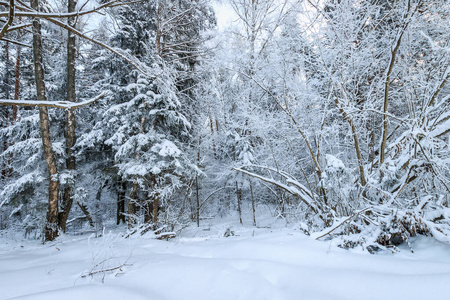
16 42
36 14
20 26
56 104
50 18
105 270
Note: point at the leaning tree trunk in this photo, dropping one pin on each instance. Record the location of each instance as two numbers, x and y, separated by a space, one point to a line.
70 130
51 226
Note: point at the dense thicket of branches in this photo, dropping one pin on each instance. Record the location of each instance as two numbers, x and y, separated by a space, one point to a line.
335 113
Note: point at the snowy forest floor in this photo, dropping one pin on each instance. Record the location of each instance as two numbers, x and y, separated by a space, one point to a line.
278 262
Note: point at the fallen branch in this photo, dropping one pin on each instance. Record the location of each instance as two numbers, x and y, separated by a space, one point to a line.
166 236
92 273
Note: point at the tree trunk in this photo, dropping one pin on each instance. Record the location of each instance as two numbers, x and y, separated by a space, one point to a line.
51 226
5 164
213 144
17 78
355 142
6 80
197 186
253 203
120 217
239 200
155 201
68 194
148 217
155 208
198 202
387 82
159 36
132 205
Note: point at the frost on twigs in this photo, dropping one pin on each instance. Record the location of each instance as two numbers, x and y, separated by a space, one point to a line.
105 260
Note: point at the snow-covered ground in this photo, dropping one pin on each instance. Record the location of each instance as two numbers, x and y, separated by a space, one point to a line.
256 263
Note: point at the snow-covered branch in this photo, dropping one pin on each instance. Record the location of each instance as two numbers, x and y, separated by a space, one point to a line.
56 104
297 190
26 12
10 15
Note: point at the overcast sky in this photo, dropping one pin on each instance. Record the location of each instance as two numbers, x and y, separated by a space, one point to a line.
224 13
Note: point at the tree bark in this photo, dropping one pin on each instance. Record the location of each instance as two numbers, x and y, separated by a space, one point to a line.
197 213
17 79
158 36
213 144
148 211
362 175
5 164
132 205
6 80
155 204
387 81
6 170
253 203
120 217
68 194
239 201
155 208
51 226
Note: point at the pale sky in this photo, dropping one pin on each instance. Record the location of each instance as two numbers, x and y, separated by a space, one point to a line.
224 14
